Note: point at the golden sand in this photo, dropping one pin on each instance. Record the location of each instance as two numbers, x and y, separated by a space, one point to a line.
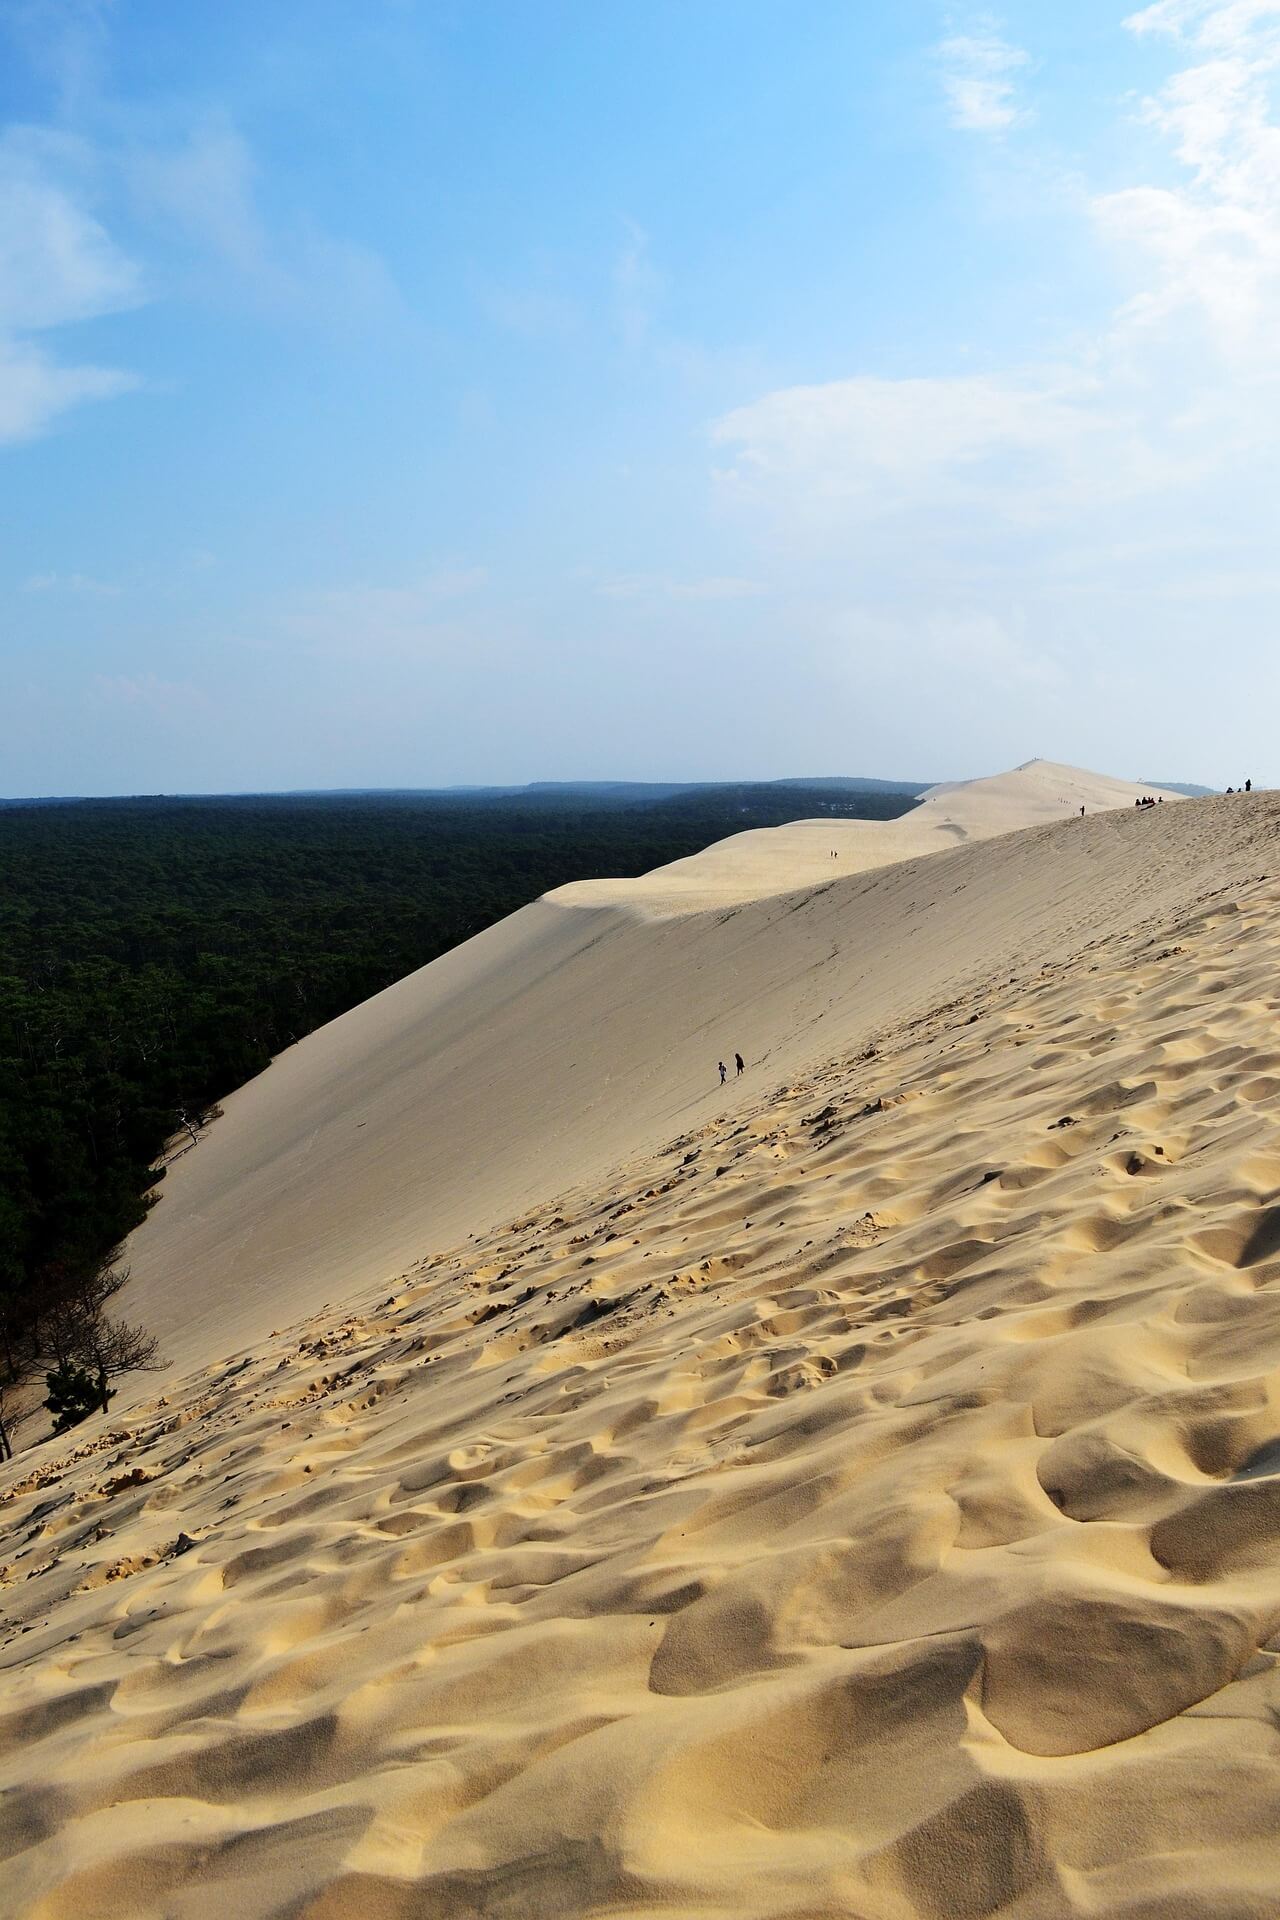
867 1503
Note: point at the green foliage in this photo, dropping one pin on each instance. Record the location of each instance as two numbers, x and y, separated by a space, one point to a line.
155 954
73 1395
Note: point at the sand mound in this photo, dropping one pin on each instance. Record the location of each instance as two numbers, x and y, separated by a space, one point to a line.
586 1029
867 1504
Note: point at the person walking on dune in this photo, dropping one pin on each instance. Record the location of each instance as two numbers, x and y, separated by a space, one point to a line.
740 1063
724 1071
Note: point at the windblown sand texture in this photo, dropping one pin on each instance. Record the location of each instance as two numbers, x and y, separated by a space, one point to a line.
866 1504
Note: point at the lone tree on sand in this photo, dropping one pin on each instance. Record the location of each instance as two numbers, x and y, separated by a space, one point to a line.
62 1317
90 1347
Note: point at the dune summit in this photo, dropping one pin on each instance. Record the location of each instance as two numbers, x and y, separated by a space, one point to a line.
864 1500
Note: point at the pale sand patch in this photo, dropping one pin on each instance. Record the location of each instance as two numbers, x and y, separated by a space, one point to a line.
867 1504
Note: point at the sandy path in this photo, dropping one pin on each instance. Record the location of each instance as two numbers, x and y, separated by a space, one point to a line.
867 1505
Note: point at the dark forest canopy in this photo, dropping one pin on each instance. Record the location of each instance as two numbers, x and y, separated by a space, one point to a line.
155 953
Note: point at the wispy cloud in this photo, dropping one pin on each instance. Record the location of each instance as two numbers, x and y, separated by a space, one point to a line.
57 262
1220 25
1210 245
1179 383
69 583
979 79
65 41
535 312
1027 442
388 622
204 191
193 203
167 700
652 586
1034 513
637 287
35 389
945 649
58 266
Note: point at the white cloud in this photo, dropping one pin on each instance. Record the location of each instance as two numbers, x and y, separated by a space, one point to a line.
1221 24
1000 542
35 389
864 431
1179 386
58 265
1210 245
979 72
1026 443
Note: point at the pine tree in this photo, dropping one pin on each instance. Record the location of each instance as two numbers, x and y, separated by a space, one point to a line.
73 1395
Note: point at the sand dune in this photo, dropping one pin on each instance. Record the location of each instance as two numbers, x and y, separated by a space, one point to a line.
774 860
866 1503
579 1033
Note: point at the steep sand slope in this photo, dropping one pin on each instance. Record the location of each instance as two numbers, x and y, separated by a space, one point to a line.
586 1028
868 1505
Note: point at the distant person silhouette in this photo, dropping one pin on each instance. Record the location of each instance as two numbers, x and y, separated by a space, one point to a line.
724 1071
740 1063
1248 786
1082 813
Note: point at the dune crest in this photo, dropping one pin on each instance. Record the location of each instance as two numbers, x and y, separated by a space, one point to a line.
868 1503
586 1029
773 860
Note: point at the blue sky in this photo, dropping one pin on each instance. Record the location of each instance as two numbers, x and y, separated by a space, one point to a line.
424 391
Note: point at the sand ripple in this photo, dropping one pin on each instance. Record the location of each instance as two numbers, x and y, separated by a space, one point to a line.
868 1506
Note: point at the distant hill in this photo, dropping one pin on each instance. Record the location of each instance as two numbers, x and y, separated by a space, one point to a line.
842 783
1181 786
628 793
605 793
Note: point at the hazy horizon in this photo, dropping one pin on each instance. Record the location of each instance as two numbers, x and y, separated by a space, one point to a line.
461 786
903 783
